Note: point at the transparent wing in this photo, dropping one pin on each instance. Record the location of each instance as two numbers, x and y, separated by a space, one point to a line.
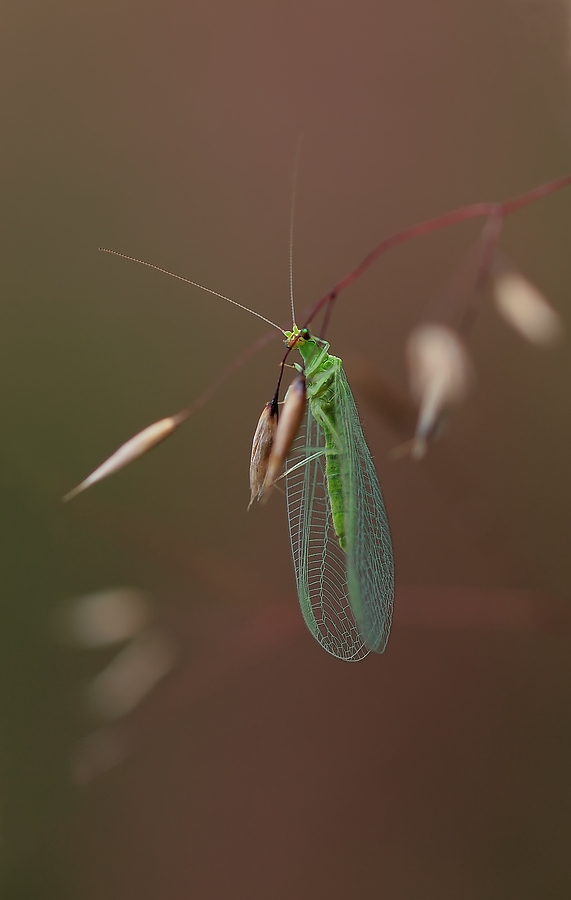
319 562
370 566
345 597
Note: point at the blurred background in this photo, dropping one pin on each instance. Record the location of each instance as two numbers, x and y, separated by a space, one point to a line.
220 753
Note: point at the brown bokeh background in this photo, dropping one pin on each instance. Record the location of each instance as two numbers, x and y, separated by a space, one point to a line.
167 131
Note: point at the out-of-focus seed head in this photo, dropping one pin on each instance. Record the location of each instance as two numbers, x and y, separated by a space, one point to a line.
524 307
291 418
103 618
261 449
129 677
440 376
136 446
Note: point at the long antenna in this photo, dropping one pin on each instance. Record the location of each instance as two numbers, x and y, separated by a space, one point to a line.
194 284
291 218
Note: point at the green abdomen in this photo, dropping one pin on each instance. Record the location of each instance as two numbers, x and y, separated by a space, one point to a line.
334 487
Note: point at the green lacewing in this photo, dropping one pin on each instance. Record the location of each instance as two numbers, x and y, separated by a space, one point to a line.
340 538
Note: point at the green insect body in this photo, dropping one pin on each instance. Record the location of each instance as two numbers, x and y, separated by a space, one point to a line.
334 486
320 371
339 532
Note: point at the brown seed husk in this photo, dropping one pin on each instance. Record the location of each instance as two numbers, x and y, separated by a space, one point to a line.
288 426
136 446
261 449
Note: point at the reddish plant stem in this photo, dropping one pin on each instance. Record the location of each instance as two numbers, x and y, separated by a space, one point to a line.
236 363
475 211
494 211
488 244
327 317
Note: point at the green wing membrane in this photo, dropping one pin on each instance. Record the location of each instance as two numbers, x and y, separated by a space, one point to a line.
345 597
370 566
